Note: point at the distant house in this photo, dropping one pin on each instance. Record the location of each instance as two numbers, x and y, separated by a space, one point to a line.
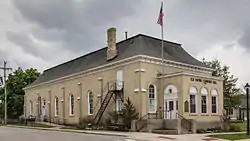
98 82
239 113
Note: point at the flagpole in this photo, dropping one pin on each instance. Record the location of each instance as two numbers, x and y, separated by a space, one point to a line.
162 49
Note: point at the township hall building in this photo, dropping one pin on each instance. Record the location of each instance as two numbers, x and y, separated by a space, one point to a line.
98 82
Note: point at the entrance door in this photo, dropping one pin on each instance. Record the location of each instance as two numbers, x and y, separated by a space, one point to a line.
170 108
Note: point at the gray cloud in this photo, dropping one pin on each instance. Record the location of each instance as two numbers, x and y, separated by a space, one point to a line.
75 23
23 40
245 40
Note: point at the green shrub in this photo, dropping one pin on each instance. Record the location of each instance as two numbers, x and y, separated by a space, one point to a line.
236 121
84 122
129 113
200 131
234 128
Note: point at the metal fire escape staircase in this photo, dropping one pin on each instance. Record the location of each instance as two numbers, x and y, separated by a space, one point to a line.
114 89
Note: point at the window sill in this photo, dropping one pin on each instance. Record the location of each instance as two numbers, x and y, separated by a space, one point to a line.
71 115
56 115
90 114
215 114
193 114
204 114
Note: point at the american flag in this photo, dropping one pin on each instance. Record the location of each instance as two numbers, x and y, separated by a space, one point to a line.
160 17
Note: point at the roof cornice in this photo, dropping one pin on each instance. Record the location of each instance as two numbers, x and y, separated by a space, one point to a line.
142 58
191 74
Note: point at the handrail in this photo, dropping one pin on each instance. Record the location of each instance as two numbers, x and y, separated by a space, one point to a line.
182 117
189 127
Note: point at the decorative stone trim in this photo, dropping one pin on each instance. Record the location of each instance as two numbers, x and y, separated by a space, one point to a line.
140 70
190 74
130 60
138 90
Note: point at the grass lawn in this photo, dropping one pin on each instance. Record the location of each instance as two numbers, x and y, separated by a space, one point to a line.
34 125
243 126
230 136
70 127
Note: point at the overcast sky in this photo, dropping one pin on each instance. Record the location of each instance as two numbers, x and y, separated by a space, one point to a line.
44 33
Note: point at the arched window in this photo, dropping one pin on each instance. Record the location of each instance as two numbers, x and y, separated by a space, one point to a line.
31 107
204 100
193 99
90 103
56 106
214 94
71 104
151 99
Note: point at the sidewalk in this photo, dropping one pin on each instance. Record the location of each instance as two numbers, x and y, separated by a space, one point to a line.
109 133
137 135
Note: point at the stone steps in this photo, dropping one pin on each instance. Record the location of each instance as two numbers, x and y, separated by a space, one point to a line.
166 131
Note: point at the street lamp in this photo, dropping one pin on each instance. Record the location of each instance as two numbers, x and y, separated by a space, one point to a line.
247 87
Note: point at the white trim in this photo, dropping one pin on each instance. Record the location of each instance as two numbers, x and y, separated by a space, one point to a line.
140 90
140 70
143 90
173 96
214 92
155 99
136 90
130 60
190 74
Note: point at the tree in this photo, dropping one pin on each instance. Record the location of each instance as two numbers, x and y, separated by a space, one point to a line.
15 93
232 94
129 113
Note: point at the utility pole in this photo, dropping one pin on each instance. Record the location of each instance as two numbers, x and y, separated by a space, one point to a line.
5 90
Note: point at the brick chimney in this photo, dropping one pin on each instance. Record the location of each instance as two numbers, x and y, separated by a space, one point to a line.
111 52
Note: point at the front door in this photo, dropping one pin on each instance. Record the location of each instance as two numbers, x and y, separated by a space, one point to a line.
170 108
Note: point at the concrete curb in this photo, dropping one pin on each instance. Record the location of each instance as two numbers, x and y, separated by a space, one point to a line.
66 130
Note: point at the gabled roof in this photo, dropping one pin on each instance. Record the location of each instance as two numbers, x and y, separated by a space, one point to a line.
136 45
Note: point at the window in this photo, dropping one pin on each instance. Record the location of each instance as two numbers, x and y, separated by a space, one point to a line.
90 103
204 94
119 103
203 104
170 91
31 107
151 99
214 101
71 104
193 100
176 105
171 105
56 106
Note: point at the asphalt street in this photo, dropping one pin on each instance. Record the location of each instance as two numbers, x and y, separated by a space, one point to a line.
20 134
